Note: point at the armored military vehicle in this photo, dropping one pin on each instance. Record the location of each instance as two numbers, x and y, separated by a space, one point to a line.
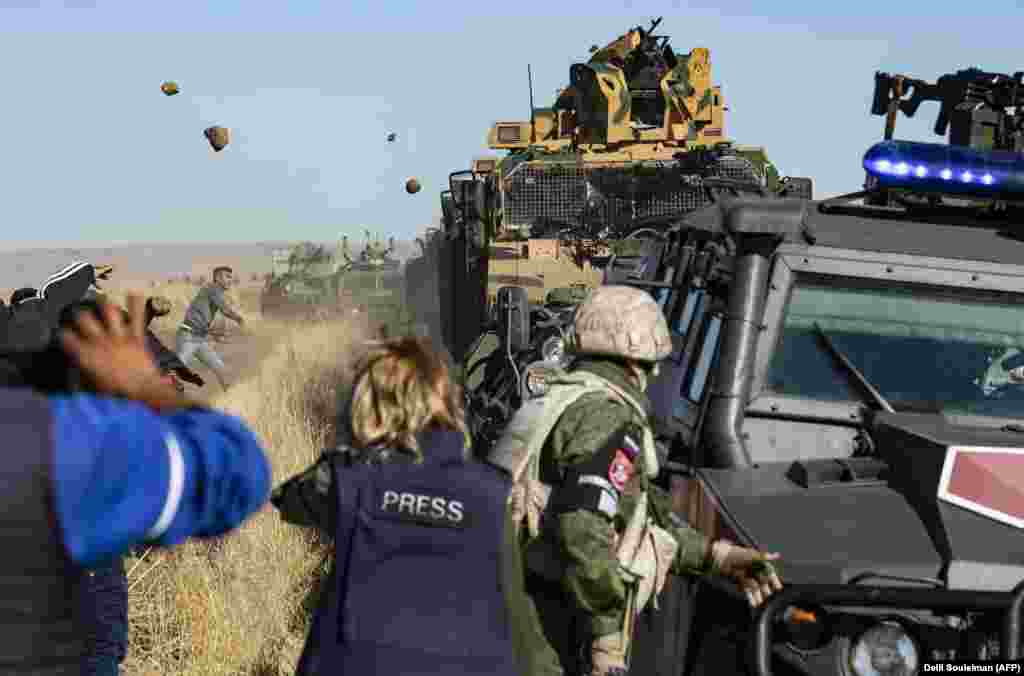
846 389
636 141
373 279
626 146
375 256
304 282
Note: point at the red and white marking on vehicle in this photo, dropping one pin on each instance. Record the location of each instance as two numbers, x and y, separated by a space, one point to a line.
985 480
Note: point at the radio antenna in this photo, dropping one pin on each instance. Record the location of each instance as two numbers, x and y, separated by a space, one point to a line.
533 122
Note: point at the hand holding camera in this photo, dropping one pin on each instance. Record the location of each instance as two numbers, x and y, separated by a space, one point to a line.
111 352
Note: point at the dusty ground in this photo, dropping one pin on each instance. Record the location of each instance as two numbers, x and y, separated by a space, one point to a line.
242 352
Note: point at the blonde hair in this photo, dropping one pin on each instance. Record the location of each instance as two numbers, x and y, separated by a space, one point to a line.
401 387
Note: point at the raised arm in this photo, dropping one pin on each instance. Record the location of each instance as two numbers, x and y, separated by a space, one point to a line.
147 466
124 475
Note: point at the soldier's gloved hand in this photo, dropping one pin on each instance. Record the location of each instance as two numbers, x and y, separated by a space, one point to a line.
608 656
752 570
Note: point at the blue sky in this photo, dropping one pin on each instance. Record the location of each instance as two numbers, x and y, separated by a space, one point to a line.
93 153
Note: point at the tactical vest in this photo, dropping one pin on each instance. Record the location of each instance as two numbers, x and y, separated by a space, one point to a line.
41 633
645 550
416 587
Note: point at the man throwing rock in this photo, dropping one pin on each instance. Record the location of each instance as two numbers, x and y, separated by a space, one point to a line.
193 337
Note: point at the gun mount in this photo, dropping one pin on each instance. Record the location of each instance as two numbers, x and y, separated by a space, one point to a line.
629 143
374 256
980 166
634 143
978 109
373 280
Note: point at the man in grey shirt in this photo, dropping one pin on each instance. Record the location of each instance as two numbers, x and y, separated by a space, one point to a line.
194 331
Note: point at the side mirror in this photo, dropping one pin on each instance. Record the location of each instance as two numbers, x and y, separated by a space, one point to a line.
512 307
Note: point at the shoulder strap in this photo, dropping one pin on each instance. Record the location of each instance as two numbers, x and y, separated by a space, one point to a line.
651 465
520 445
519 449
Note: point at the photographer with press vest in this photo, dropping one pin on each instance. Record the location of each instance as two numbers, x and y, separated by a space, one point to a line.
423 557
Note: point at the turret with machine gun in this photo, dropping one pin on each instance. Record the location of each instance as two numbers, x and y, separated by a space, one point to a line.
630 144
980 110
374 256
981 163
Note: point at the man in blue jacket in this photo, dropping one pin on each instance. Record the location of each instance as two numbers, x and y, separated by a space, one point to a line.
96 474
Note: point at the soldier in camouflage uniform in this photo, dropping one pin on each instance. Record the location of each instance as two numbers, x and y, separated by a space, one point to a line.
592 464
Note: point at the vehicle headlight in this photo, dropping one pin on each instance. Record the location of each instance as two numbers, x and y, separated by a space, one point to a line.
882 649
553 349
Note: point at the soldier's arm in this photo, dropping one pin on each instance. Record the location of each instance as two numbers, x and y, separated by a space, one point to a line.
693 556
585 536
306 500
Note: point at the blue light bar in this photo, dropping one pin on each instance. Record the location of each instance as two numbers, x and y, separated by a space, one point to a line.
940 168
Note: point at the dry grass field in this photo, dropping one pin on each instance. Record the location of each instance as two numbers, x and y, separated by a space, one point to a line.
240 605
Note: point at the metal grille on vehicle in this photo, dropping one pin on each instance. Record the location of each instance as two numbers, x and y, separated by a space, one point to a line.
549 196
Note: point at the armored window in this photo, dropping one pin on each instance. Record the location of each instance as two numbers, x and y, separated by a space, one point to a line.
694 299
699 376
690 373
920 346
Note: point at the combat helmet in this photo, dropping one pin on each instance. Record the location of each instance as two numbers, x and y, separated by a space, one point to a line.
620 321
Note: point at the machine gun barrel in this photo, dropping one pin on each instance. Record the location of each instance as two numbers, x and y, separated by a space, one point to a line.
972 85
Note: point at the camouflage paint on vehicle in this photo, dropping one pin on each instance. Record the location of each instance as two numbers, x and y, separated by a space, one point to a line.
636 103
312 281
635 132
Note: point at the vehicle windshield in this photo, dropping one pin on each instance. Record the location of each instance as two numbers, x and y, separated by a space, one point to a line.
920 346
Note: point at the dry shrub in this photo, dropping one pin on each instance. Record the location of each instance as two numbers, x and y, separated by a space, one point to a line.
238 605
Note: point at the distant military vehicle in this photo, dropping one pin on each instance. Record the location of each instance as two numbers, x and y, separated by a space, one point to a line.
375 256
311 281
373 279
305 282
846 389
